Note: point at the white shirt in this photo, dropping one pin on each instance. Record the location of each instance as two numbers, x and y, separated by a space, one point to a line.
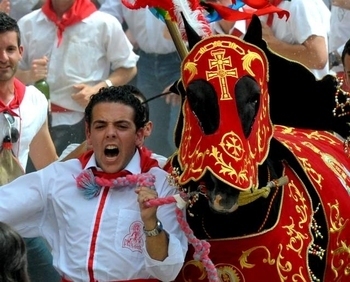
48 203
20 8
307 17
147 30
88 51
239 25
32 114
340 27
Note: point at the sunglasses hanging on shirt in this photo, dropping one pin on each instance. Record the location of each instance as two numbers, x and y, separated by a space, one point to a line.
13 133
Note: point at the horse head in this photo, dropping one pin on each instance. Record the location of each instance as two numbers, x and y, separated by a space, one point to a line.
226 128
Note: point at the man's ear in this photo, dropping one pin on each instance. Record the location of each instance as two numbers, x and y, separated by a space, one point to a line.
148 129
140 137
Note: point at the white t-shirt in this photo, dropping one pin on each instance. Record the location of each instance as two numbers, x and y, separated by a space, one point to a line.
340 27
88 51
146 28
307 17
48 203
32 114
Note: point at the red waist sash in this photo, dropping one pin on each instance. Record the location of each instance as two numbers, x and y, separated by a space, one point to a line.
58 109
133 280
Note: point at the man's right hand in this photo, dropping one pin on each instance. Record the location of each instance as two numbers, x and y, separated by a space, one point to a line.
39 69
5 6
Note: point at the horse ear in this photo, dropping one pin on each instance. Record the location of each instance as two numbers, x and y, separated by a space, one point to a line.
293 87
192 37
254 31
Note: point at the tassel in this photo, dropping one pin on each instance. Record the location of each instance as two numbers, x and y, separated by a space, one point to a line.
86 182
10 167
250 196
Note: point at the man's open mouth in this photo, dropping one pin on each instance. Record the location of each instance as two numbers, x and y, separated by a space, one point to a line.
111 151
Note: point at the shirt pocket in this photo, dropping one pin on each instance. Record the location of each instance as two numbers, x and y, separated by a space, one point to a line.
130 239
80 58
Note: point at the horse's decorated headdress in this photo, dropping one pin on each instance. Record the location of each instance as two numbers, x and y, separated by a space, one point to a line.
213 68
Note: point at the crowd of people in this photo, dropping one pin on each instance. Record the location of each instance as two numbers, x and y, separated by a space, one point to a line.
88 52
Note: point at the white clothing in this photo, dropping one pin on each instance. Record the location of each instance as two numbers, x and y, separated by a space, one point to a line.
20 8
307 17
32 114
88 51
48 203
147 30
340 26
239 25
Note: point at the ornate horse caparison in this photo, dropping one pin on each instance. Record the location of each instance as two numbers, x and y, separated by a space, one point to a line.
237 135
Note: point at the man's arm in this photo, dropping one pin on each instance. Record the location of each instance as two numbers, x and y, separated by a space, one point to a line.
345 4
42 150
157 246
37 71
118 77
312 52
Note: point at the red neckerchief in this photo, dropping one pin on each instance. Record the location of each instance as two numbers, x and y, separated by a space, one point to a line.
80 10
19 90
146 164
270 17
260 7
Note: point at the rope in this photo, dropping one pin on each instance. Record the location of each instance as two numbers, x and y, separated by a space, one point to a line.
201 247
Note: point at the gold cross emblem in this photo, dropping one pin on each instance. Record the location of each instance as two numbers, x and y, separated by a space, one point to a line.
220 62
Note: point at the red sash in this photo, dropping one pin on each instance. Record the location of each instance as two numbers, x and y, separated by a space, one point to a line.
134 280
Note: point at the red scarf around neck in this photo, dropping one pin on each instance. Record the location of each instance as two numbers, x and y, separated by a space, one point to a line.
147 162
80 10
271 16
19 90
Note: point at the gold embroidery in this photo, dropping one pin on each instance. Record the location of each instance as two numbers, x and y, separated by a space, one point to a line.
232 145
247 60
192 68
243 259
287 267
338 224
336 221
302 208
226 168
296 242
220 62
299 276
296 239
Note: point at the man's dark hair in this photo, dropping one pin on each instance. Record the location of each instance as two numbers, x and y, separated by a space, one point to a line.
9 24
117 94
13 256
135 91
346 51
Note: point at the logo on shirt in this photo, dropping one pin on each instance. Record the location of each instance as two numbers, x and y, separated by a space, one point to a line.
134 240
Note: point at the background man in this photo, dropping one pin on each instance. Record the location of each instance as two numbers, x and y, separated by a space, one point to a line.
27 109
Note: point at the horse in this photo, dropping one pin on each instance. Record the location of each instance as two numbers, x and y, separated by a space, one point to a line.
263 157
